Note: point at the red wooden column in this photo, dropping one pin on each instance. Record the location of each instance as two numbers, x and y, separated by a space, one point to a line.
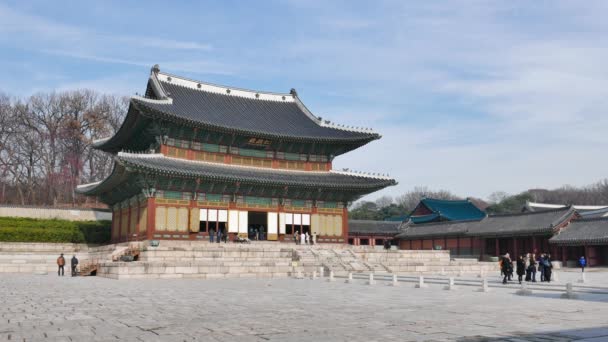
128 232
496 247
515 249
119 223
151 219
534 245
345 224
564 255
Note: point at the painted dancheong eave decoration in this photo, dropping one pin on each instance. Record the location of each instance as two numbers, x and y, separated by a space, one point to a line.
192 158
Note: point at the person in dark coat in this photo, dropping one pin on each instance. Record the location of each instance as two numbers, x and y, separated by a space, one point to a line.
507 268
548 268
541 266
74 263
521 268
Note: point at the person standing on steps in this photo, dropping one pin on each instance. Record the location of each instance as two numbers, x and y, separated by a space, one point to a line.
74 263
60 264
533 267
302 238
582 262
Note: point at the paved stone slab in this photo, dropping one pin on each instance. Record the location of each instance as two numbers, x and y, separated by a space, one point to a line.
50 308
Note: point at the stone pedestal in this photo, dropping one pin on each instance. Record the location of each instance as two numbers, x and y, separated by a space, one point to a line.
524 290
450 285
371 280
583 278
484 286
421 283
331 276
395 281
569 292
349 280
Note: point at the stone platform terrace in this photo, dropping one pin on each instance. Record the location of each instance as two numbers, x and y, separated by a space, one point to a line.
49 308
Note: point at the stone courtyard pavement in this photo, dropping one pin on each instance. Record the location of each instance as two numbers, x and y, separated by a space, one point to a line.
49 308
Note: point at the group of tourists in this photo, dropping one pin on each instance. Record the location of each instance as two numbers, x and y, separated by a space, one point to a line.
61 264
304 238
218 236
527 266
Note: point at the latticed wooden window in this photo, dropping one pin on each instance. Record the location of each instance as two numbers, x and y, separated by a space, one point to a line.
329 205
171 142
171 218
214 197
161 218
143 219
182 219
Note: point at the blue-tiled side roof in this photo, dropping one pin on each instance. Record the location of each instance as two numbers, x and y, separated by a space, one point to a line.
454 210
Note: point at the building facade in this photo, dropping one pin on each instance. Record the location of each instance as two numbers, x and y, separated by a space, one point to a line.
192 159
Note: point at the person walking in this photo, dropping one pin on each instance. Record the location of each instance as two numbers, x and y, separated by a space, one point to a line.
219 235
307 238
74 264
533 267
302 238
295 237
60 264
211 235
521 268
314 238
582 262
506 267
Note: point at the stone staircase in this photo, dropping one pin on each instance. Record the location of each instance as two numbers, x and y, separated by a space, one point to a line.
201 259
18 257
204 260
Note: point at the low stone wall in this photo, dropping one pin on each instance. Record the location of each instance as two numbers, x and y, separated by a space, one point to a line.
55 213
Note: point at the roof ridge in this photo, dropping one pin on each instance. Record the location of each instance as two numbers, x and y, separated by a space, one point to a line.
445 200
531 212
446 222
590 219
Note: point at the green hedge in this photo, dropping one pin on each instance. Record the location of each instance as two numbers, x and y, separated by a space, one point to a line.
19 229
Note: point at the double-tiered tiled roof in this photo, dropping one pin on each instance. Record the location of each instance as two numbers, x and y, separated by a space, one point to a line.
275 116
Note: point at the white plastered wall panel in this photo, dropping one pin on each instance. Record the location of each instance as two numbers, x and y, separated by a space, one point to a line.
281 223
306 219
222 215
273 223
233 221
243 221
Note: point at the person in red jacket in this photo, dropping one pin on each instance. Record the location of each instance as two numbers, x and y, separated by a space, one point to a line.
60 264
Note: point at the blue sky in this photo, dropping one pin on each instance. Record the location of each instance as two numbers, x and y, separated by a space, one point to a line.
470 96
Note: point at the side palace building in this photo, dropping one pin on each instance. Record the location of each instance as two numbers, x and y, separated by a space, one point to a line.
193 158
